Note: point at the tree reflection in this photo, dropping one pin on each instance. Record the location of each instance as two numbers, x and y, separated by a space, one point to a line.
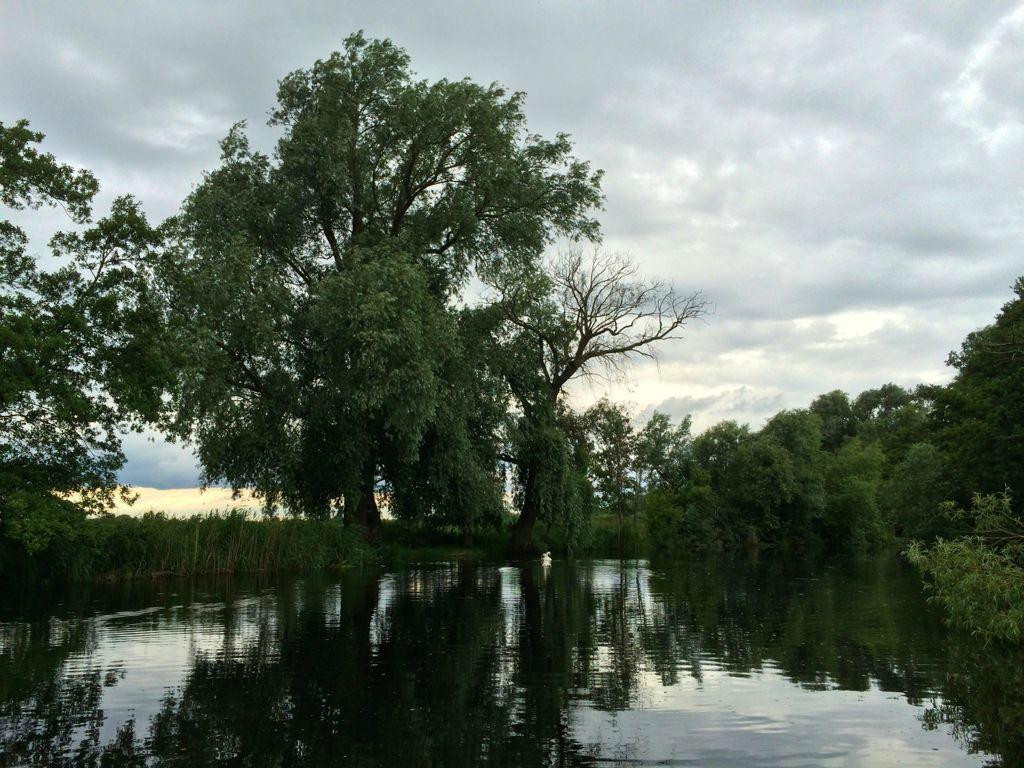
848 626
461 665
47 716
417 669
983 700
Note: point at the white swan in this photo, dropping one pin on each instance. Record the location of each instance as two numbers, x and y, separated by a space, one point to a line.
545 559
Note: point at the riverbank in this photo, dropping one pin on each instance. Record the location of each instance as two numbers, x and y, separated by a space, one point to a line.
119 546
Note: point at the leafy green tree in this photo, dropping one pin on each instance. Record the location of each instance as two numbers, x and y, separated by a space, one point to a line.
881 402
892 416
799 434
746 478
765 486
679 507
682 521
978 423
664 452
715 477
838 421
453 481
915 492
979 578
314 290
853 478
979 418
79 354
714 449
758 485
612 457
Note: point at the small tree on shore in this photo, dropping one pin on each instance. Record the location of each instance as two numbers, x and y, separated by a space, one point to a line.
613 457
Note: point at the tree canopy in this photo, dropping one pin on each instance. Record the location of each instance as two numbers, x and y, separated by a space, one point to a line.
316 291
79 355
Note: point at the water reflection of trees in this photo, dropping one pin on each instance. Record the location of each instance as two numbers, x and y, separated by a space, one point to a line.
847 627
983 701
463 665
418 670
47 717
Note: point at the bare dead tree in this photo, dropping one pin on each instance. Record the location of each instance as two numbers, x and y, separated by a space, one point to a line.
597 314
600 314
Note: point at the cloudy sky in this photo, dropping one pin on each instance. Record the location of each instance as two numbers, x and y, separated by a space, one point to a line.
845 181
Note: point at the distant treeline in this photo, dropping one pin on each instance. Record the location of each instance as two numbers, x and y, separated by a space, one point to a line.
934 464
842 472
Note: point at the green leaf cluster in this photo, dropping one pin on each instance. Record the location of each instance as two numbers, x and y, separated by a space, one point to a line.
81 356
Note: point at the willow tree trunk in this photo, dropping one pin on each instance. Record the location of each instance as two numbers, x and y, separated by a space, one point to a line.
365 512
522 530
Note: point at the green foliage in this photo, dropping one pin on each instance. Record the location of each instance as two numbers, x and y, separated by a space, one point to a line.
677 525
116 546
612 456
915 492
30 178
34 520
979 578
776 486
853 480
979 418
80 352
798 433
766 486
893 417
976 428
447 169
551 478
759 484
855 473
837 418
610 537
316 292
663 451
716 447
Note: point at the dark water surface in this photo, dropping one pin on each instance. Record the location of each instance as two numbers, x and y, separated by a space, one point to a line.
602 663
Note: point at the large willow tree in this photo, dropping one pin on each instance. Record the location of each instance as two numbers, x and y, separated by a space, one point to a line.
314 290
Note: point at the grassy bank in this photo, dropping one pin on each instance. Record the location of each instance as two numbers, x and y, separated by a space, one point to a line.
121 546
153 544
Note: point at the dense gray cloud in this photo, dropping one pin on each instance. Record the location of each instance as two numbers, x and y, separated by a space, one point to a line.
157 463
844 180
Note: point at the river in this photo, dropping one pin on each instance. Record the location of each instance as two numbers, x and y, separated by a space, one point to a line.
717 661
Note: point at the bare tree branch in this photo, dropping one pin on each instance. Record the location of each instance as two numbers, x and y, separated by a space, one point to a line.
593 311
610 314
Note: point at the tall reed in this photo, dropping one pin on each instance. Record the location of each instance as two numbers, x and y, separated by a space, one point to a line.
228 542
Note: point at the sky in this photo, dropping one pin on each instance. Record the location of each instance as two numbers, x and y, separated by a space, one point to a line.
844 181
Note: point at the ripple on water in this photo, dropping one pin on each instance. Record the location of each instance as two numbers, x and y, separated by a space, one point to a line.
592 664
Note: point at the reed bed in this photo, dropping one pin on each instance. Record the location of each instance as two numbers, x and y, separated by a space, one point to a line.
226 542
